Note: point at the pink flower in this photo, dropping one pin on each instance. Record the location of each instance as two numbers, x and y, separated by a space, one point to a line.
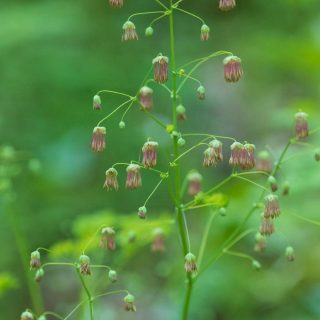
129 31
232 69
226 5
149 151
98 143
302 126
116 3
133 177
111 182
160 64
146 98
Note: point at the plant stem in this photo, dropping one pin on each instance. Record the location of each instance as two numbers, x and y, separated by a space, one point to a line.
177 174
90 299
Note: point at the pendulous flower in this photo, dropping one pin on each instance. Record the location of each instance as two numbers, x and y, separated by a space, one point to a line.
190 263
129 303
142 212
149 151
161 66
181 112
26 315
237 150
39 275
157 244
261 242
107 240
205 33
113 276
273 183
97 102
98 143
290 254
116 3
302 125
84 262
129 31
201 93
226 5
264 162
133 177
35 262
247 160
194 182
232 69
271 209
266 226
111 182
146 98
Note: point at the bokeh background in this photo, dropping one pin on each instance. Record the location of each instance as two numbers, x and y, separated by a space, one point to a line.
54 57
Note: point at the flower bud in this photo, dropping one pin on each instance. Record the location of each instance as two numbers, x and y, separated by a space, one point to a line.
122 124
205 32
158 241
181 142
223 212
273 183
113 276
232 69
98 143
111 182
149 151
146 98
149 32
160 64
290 254
261 242
133 177
194 182
256 265
129 31
264 162
181 112
116 3
26 315
97 102
317 155
39 275
142 211
302 126
266 226
201 93
285 188
190 263
107 240
42 317
271 209
129 303
35 262
226 5
84 262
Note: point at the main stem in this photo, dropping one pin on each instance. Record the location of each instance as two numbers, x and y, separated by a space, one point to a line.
177 172
90 298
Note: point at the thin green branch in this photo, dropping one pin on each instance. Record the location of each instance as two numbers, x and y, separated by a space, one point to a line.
115 92
190 14
252 182
153 191
144 13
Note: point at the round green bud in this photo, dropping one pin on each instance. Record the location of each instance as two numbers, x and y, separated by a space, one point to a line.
42 317
39 275
223 212
190 257
149 32
142 212
205 28
256 265
181 142
129 298
26 315
84 259
122 124
113 276
290 254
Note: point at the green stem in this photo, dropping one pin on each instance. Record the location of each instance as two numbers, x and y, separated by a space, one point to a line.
176 153
144 13
90 299
190 14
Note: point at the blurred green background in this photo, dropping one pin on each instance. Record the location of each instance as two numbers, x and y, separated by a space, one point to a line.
55 56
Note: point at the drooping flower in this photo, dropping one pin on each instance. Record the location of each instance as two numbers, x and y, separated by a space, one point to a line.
97 102
285 188
264 162
232 69
181 112
107 240
26 315
149 31
213 154
113 276
271 209
129 303
237 149
201 93
194 182
256 265
273 183
261 242
84 262
302 125
190 263
39 275
266 226
111 182
216 145
205 32
247 160
146 98
98 143
133 177
116 3
35 262
290 254
129 31
161 64
142 212
158 241
149 151
226 5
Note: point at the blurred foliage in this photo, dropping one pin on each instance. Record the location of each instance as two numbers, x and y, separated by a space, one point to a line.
56 55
